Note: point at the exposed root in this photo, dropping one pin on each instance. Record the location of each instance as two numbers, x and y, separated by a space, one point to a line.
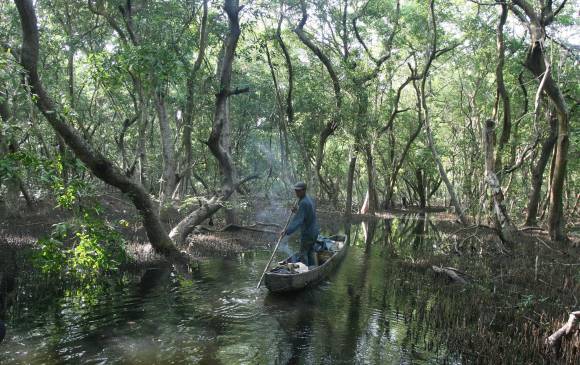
571 326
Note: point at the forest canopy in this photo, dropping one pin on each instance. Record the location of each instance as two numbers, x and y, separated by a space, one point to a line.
200 105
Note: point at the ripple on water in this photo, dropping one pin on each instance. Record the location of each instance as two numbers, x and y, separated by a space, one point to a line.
216 315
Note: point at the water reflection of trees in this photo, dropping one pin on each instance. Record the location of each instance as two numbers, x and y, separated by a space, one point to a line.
376 308
386 318
357 292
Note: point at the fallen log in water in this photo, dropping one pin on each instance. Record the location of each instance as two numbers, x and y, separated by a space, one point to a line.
258 223
236 227
253 227
555 339
455 275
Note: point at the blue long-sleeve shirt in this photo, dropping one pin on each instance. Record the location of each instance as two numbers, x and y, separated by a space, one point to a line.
305 219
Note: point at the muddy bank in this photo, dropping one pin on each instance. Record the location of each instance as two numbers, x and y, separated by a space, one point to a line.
516 294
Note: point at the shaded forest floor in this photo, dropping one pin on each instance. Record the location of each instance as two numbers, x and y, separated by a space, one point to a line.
516 295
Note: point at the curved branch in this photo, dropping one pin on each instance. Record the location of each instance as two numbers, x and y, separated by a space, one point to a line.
389 45
189 107
221 120
112 22
299 30
396 109
332 124
501 89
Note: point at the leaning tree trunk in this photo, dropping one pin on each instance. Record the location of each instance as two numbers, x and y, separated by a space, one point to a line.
95 161
569 328
506 227
179 233
538 173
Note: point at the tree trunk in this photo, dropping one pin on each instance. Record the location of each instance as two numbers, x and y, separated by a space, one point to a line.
29 200
412 137
125 165
365 207
420 175
289 108
372 193
288 61
231 211
218 142
453 195
537 63
190 99
179 233
8 146
169 179
434 54
556 219
501 90
506 227
538 173
285 173
142 146
350 183
334 121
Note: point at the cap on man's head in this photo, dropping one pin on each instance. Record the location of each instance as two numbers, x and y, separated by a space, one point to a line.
300 185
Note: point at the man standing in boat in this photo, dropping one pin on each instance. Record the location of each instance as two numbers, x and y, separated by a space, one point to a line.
305 219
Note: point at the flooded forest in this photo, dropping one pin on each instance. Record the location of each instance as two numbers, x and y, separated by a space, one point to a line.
289 182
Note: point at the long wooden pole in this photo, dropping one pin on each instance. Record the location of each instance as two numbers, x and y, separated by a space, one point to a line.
276 248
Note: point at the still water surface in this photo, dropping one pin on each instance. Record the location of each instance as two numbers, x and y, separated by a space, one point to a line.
371 311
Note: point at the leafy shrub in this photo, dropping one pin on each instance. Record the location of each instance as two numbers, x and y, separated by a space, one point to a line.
82 248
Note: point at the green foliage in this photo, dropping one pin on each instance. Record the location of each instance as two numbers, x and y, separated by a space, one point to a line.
48 173
114 77
86 247
9 166
528 301
52 255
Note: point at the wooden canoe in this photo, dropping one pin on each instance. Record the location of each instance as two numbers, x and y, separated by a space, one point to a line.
280 282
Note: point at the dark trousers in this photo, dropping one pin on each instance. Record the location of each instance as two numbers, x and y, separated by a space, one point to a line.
307 254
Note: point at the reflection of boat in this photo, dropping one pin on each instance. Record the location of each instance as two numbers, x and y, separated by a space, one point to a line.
284 282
